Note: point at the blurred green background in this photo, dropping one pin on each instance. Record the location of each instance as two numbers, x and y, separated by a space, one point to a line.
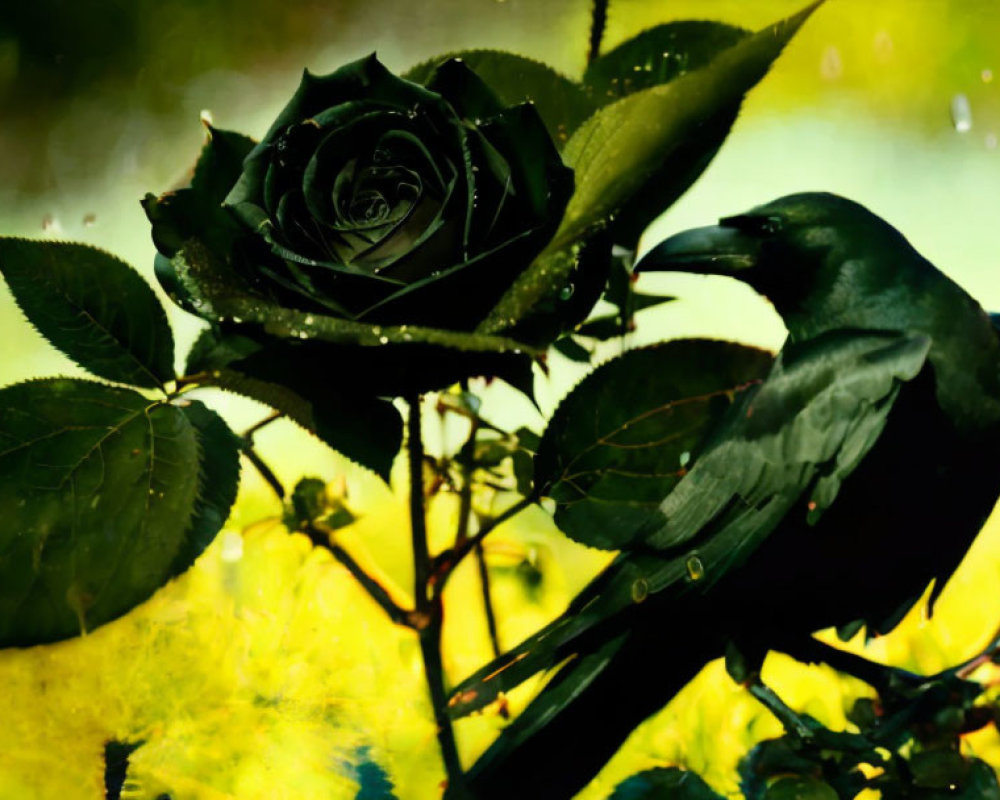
232 672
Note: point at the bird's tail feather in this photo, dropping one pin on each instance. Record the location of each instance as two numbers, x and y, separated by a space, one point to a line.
603 604
587 710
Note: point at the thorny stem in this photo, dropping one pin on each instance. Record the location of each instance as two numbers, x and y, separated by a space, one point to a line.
491 618
265 471
464 516
428 613
246 445
462 550
396 613
598 21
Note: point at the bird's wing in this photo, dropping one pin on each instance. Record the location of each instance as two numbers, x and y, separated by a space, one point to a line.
797 437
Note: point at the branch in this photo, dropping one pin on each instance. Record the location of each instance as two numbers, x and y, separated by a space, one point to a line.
598 21
448 561
428 615
375 590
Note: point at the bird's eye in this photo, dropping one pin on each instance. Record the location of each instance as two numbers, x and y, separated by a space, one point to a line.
754 224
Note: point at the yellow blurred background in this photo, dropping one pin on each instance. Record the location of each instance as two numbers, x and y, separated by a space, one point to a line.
265 672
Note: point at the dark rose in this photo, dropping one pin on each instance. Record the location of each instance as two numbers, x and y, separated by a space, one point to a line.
378 200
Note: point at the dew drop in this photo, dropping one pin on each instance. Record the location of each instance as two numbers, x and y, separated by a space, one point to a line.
640 590
695 569
961 113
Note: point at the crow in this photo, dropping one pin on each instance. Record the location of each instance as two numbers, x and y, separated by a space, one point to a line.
832 492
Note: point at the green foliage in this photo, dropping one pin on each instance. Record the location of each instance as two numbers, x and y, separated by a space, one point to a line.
101 502
664 783
93 307
358 424
643 151
907 744
634 157
561 103
658 55
623 438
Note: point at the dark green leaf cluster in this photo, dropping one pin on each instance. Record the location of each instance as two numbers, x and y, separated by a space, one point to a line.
106 492
907 743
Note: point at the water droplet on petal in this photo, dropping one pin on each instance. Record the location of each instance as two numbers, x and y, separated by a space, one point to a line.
640 590
961 113
695 569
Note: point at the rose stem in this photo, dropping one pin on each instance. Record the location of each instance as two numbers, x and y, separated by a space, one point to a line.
484 579
428 613
598 19
465 459
246 445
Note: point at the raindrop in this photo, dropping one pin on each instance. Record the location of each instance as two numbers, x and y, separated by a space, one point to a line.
89 220
695 569
961 113
640 590
566 292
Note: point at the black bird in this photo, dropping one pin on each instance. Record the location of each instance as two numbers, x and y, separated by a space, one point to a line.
834 491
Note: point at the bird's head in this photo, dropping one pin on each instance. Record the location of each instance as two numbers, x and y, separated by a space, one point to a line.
822 260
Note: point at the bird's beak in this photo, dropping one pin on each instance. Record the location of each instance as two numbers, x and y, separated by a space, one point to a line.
713 250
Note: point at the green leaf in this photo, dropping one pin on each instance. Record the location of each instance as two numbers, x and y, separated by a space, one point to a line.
228 299
562 104
105 495
218 480
658 55
572 349
93 307
364 428
664 783
651 145
800 787
624 437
